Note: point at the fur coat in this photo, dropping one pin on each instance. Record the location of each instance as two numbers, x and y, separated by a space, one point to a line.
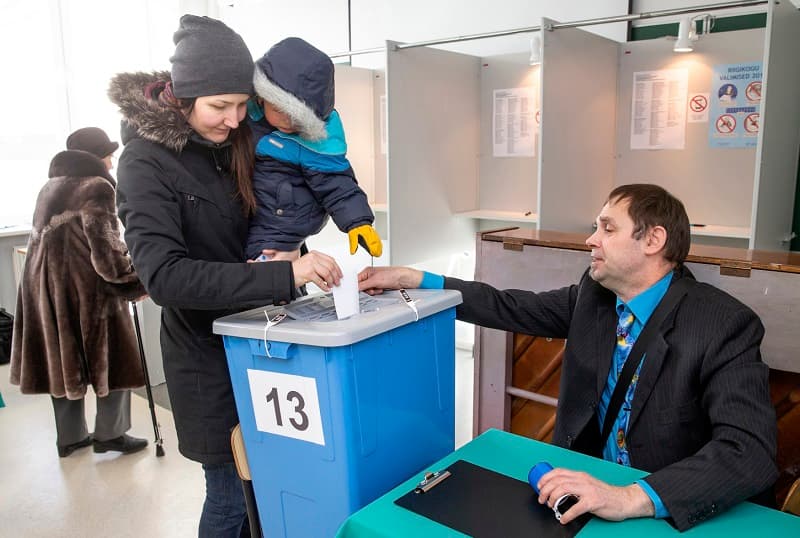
73 326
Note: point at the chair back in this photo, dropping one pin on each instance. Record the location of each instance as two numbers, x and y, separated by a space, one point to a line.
792 502
239 454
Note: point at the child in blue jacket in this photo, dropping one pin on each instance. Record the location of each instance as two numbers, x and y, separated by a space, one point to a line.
301 174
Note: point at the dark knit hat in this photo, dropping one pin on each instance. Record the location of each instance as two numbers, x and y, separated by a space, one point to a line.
93 140
209 59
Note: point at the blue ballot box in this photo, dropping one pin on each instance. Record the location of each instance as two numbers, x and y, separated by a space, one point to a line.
334 413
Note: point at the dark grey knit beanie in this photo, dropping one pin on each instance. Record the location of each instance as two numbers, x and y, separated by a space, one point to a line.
209 59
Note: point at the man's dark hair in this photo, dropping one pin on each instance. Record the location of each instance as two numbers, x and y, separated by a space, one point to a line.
650 206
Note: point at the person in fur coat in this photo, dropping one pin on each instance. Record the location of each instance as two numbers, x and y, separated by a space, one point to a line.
73 328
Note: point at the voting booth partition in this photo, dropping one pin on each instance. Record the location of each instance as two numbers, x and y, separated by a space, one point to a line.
335 413
361 103
456 136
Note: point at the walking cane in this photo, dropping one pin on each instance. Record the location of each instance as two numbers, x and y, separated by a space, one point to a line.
159 440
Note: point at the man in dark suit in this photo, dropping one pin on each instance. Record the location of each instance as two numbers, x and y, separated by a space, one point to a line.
695 411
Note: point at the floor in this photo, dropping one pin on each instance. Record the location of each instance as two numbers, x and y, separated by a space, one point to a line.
93 495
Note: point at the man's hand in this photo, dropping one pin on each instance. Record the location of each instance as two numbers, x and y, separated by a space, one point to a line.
374 280
318 268
366 236
609 502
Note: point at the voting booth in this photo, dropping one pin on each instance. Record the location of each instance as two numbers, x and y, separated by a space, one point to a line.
334 413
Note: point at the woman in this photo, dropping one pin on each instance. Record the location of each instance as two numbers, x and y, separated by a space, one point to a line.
73 327
185 194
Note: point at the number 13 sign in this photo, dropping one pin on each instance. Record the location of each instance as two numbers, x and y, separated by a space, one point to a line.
286 405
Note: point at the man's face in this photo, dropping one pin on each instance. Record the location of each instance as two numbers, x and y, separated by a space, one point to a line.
617 258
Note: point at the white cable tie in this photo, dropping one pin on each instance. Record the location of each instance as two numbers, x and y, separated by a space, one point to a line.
411 303
277 318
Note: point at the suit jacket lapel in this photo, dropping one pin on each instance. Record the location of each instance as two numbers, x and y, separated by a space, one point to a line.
606 340
651 369
653 361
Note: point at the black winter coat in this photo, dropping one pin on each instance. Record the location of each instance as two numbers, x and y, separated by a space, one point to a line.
186 230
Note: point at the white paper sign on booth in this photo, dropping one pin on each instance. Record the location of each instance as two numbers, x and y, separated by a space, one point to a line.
286 405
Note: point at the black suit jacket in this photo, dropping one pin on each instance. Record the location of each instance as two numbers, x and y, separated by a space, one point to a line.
701 421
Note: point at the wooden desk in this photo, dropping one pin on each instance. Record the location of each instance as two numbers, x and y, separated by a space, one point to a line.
513 455
768 282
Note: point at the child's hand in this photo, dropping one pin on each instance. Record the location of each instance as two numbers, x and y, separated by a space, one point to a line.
366 236
272 255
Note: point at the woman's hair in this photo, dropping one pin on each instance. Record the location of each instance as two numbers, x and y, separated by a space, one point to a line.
242 155
242 162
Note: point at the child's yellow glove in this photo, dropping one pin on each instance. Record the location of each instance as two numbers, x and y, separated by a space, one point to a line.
366 236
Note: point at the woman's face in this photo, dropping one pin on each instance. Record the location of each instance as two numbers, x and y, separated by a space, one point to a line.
213 116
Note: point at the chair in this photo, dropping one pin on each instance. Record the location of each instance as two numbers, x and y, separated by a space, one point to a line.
243 470
792 502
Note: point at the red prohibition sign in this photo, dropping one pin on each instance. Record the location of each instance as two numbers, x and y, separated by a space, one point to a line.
698 103
726 124
751 122
753 91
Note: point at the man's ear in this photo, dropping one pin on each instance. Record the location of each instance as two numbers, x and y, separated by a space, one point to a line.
655 240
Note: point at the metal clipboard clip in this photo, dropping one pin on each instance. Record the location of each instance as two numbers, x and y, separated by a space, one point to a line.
431 480
277 318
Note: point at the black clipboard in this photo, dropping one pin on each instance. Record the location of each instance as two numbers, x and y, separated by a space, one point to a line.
484 504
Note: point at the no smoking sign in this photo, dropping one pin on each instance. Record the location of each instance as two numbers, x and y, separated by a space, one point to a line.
698 103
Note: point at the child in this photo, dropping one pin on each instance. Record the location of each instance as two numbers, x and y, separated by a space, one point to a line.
301 172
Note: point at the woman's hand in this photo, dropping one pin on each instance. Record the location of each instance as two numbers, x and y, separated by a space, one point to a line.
318 268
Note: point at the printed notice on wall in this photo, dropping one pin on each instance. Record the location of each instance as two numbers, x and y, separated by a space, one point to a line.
735 105
698 108
658 109
514 123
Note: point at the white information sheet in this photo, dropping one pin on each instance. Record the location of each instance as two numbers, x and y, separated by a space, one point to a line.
514 122
286 405
658 109
698 108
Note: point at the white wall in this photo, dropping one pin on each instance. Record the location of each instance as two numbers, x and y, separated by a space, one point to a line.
59 55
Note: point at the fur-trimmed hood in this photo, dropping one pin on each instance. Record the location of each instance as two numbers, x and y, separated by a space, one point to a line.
298 79
143 114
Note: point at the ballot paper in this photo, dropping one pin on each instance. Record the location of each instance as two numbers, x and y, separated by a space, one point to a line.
345 295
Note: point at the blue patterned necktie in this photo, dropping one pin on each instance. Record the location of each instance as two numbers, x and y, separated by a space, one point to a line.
625 342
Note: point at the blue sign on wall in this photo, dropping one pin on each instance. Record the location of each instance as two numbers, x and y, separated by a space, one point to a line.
735 111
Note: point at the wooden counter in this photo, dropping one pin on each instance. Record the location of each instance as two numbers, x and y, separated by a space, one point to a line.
768 282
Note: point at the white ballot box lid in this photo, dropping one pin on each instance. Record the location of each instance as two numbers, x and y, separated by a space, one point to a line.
312 319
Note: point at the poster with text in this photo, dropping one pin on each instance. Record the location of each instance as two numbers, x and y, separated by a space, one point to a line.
514 122
658 109
735 111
